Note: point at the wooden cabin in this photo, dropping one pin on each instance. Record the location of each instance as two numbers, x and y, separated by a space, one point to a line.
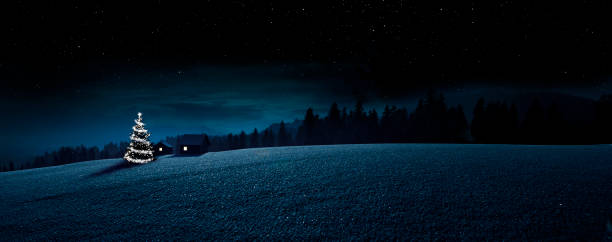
163 148
191 144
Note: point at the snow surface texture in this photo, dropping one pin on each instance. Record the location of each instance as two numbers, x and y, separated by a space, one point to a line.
388 191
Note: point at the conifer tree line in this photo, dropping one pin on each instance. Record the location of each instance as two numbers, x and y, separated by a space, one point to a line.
432 121
68 154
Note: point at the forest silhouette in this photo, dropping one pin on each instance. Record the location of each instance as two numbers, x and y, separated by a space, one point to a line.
432 121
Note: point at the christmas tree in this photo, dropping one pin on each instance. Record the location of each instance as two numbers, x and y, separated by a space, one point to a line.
140 149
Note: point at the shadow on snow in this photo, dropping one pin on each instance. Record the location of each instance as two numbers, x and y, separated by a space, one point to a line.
185 155
125 165
116 167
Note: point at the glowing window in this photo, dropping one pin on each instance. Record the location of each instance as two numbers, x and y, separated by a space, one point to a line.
160 149
184 148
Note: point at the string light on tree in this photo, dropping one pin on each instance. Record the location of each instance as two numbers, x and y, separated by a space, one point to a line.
140 149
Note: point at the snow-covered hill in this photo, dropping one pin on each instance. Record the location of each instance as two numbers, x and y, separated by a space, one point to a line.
418 191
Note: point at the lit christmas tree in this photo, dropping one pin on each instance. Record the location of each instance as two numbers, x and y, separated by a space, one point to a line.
140 149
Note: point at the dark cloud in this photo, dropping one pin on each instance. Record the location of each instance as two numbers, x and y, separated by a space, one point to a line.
199 111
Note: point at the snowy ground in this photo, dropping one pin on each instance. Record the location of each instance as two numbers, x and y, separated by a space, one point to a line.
403 191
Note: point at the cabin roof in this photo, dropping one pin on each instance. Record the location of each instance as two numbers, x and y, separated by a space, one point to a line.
165 143
191 139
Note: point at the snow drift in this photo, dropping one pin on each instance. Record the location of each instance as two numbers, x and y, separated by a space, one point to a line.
386 191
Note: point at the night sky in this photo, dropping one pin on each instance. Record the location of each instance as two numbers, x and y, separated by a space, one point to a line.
76 72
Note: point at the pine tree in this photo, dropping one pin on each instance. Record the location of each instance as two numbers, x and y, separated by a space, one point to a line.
230 142
140 149
254 140
283 136
308 127
478 122
242 140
